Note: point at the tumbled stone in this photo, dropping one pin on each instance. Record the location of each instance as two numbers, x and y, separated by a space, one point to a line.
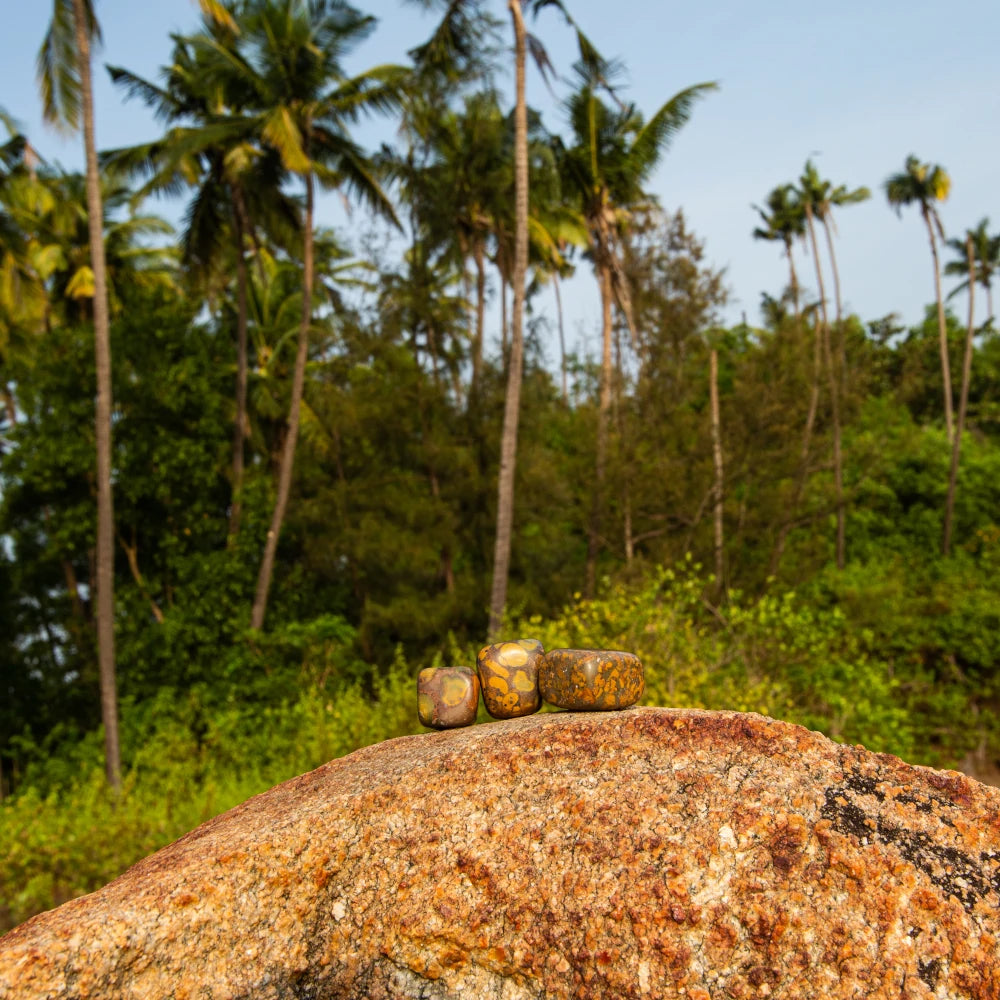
508 675
447 697
583 680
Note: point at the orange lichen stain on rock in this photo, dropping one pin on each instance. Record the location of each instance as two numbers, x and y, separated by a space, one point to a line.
185 899
452 958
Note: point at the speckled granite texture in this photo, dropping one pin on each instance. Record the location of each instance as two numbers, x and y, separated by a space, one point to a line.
643 853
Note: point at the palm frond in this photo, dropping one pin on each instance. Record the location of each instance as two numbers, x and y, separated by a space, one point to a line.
658 132
57 70
281 132
163 104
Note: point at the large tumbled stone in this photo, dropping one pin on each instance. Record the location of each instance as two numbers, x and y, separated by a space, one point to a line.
447 697
508 676
650 853
591 679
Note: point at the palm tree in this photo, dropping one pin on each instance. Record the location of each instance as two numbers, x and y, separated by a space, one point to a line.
986 254
67 98
237 187
459 196
825 197
615 150
448 46
284 68
814 195
925 184
22 292
783 220
963 400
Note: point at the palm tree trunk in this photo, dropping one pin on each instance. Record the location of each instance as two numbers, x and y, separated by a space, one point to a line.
477 342
963 401
942 330
625 452
841 353
102 352
291 437
833 267
603 413
838 475
713 389
794 278
562 338
239 427
504 325
508 441
803 472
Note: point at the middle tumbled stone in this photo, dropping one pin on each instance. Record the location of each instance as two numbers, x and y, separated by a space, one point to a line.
591 679
508 675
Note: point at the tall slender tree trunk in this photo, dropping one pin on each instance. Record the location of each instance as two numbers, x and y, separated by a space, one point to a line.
504 325
562 338
963 401
294 409
508 441
102 353
942 330
477 341
833 266
807 433
794 278
603 414
713 390
239 426
841 351
838 474
625 451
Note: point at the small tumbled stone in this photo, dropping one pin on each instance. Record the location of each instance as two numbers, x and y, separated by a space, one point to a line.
599 680
508 675
447 697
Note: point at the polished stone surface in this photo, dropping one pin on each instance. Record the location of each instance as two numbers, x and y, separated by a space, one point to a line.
508 675
591 679
447 697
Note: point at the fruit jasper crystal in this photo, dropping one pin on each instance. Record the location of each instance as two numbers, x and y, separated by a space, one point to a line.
447 697
591 679
508 675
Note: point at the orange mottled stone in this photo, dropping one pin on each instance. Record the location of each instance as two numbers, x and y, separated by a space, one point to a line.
653 854
447 697
508 675
591 679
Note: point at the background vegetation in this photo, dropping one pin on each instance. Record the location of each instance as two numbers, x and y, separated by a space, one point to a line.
759 511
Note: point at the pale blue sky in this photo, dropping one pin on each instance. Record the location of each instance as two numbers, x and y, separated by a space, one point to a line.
857 86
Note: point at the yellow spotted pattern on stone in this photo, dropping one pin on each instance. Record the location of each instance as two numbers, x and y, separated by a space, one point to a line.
591 680
447 697
508 675
512 654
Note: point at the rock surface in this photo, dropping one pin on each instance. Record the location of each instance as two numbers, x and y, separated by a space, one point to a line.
643 853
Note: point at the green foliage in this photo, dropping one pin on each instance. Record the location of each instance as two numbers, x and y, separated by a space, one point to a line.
385 555
66 833
777 655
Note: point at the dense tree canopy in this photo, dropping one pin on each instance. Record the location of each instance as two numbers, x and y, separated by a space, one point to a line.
311 421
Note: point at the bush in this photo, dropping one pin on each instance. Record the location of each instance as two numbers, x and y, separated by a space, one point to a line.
66 833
